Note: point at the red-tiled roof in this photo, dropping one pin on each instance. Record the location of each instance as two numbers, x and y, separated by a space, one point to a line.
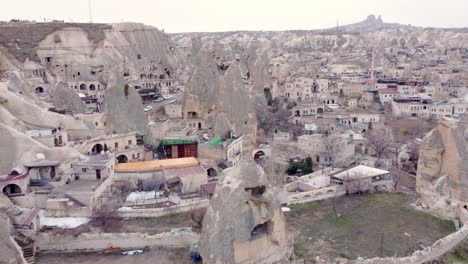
209 187
388 91
14 177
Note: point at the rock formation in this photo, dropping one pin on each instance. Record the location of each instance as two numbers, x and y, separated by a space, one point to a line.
244 223
10 252
442 177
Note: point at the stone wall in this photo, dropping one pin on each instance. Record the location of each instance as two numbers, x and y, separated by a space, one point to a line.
89 242
317 195
158 212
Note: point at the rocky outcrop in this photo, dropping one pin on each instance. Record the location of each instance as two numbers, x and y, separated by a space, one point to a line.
442 177
63 97
22 38
125 110
221 94
244 223
10 252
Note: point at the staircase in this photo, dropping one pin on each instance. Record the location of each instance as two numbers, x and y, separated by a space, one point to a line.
28 253
27 246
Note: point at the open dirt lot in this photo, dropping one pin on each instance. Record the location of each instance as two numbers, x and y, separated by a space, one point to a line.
368 225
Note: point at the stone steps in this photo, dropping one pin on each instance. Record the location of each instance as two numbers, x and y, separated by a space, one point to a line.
28 253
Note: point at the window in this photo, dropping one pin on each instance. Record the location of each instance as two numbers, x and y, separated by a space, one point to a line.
129 142
116 145
84 170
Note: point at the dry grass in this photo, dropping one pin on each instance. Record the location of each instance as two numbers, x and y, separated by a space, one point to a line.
359 228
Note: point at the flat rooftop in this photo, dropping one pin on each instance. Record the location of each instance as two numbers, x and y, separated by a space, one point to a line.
155 165
358 172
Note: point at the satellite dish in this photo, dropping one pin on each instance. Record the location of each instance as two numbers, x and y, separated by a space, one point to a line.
40 156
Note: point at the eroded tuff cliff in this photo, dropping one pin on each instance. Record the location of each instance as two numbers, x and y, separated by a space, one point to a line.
244 222
442 177
10 252
113 55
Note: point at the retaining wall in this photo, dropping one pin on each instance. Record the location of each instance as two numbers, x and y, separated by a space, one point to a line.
93 242
316 195
158 212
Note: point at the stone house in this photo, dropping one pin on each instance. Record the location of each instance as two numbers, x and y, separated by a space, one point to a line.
96 167
326 149
127 147
386 95
15 183
182 174
43 169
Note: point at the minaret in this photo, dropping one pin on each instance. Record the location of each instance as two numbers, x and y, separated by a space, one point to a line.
373 66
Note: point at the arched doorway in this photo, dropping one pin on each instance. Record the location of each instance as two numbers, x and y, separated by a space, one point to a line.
97 149
92 87
83 87
212 172
11 189
39 90
319 110
259 155
122 159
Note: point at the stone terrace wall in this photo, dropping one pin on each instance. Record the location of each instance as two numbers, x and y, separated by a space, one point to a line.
317 195
91 242
439 248
158 212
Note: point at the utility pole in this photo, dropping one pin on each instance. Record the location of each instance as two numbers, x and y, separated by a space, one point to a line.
381 245
90 15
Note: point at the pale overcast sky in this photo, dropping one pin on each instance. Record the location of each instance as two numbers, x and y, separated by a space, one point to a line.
225 15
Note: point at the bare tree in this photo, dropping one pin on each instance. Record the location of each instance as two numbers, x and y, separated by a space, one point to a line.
379 140
107 216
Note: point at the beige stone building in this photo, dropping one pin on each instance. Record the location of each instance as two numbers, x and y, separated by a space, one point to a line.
323 149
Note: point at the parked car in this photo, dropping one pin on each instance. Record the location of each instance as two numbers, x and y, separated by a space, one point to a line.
167 96
159 99
132 252
148 108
